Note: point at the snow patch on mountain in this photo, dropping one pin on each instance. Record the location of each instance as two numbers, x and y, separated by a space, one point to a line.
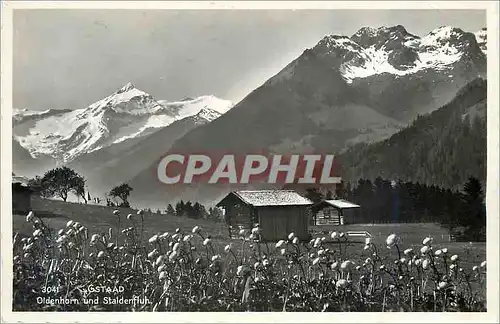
481 37
437 50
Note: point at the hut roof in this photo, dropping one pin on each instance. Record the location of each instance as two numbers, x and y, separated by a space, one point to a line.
261 198
338 203
23 181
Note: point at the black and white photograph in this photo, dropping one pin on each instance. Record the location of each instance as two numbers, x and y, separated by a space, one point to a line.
219 158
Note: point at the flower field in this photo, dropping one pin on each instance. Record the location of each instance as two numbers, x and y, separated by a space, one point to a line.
72 268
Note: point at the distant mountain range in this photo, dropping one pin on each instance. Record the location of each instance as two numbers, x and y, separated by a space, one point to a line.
342 92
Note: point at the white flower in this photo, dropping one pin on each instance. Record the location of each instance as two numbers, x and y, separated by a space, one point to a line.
475 268
241 270
408 251
391 240
255 230
228 248
116 212
334 235
345 265
358 268
424 249
164 235
162 275
153 239
295 240
196 229
368 240
266 262
438 252
176 246
152 254
280 244
366 247
342 234
187 238
242 232
37 233
291 236
160 260
442 285
334 265
100 255
140 212
368 261
427 241
206 241
94 238
161 268
402 260
444 250
283 251
382 267
69 223
453 266
425 264
483 264
316 261
130 217
60 232
454 258
341 283
215 258
172 256
30 216
321 252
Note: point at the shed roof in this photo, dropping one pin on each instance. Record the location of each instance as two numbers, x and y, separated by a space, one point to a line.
340 203
261 198
23 181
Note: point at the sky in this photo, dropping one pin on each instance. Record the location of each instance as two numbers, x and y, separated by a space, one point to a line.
68 59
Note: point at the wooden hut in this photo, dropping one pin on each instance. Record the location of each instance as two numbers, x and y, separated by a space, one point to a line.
278 212
21 195
336 212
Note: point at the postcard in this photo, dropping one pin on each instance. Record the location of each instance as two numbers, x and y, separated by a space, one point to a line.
249 161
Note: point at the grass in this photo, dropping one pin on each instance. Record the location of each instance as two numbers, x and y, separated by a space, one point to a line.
193 274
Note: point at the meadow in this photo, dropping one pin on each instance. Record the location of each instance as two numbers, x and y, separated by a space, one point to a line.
182 264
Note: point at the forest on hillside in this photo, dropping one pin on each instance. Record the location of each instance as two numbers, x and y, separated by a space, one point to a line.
442 148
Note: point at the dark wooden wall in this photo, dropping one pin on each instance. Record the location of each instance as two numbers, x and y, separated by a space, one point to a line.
21 202
278 222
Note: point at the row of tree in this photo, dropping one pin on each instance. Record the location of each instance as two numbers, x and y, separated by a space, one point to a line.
62 181
383 201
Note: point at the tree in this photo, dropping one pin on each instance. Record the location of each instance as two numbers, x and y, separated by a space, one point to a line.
123 192
79 188
314 194
40 186
170 210
473 217
179 208
59 182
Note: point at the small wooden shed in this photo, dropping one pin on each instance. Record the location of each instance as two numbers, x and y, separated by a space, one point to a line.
278 212
21 195
336 212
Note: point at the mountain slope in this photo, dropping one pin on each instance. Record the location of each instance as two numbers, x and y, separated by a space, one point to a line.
113 165
340 92
443 148
126 114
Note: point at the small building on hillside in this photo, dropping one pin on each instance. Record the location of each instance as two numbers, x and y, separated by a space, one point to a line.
278 212
336 212
21 195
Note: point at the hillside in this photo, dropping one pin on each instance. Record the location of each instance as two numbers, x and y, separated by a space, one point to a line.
442 148
341 92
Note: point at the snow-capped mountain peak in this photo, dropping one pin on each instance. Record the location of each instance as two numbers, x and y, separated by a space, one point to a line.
125 114
393 50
